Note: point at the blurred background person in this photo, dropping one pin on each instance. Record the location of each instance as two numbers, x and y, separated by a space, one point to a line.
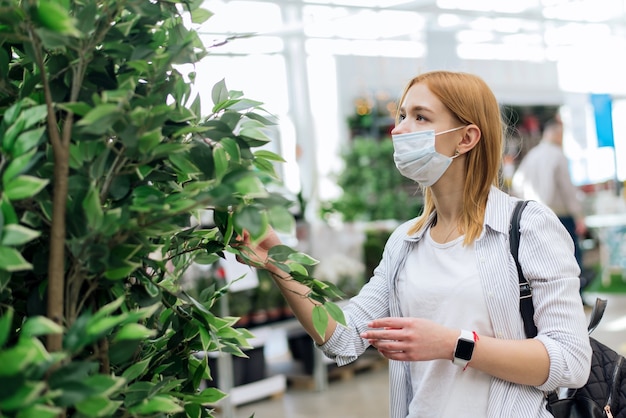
543 175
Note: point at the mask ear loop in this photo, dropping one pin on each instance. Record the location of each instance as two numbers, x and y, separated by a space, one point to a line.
456 154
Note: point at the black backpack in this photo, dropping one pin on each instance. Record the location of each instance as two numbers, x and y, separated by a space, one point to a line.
604 394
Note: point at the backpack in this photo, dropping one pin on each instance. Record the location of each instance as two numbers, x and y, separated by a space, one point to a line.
604 394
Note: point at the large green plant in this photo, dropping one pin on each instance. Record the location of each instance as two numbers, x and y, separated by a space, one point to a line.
105 159
373 189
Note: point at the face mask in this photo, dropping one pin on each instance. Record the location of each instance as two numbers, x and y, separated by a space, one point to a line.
416 158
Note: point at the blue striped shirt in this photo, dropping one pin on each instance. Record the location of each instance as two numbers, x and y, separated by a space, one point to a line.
547 257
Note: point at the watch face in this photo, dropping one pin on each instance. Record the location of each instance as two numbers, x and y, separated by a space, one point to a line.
464 349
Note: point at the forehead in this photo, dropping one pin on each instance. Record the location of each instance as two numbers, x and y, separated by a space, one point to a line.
420 96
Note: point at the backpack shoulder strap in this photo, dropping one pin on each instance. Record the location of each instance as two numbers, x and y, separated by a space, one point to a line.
527 309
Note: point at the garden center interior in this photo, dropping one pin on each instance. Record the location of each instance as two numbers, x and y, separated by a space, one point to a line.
331 71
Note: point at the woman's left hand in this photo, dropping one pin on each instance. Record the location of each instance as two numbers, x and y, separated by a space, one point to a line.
411 339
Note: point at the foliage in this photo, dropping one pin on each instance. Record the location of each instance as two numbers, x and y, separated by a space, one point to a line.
373 189
106 157
373 247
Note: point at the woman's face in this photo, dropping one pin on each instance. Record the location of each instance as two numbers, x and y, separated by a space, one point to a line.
421 110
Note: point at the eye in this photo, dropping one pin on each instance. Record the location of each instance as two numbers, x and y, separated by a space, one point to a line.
420 118
401 117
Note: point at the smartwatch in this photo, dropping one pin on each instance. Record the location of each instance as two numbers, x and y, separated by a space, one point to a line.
464 348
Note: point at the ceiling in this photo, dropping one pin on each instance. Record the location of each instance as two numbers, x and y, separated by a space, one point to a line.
535 30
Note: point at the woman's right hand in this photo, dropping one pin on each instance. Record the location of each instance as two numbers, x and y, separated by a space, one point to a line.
257 253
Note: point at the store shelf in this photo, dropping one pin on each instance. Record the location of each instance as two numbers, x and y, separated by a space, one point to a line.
264 388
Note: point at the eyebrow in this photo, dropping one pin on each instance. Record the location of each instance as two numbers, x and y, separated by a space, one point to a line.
417 109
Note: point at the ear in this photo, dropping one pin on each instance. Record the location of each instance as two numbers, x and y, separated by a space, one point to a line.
471 136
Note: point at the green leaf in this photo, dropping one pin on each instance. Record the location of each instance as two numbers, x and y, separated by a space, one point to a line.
280 253
251 186
194 410
26 141
265 121
150 140
268 155
253 220
266 166
207 396
183 164
255 133
302 258
24 396
77 108
5 326
39 411
219 93
8 139
11 260
133 332
18 166
281 219
12 113
105 384
320 320
231 147
51 15
220 161
205 338
15 234
319 284
136 369
298 268
157 404
109 308
244 104
335 312
100 119
100 326
36 326
122 272
7 212
16 359
98 406
34 115
23 187
93 208
200 16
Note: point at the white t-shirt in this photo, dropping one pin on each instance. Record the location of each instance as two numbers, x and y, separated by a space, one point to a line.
440 282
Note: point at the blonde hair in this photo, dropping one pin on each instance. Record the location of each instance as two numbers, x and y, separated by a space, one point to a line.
470 99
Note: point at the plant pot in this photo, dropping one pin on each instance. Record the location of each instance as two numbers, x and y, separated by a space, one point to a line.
245 370
302 350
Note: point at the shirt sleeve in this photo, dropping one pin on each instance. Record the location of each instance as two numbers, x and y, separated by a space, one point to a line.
547 259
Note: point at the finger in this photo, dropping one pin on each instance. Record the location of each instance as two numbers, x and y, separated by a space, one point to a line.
394 346
393 355
243 236
383 334
387 323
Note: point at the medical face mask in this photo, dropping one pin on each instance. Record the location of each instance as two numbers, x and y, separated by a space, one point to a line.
416 158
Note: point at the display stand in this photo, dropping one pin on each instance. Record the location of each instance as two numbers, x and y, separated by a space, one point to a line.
241 278
611 229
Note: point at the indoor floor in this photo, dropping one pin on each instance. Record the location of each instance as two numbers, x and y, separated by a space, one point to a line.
365 394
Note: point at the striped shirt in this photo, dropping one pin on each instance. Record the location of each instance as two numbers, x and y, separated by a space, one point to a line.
547 257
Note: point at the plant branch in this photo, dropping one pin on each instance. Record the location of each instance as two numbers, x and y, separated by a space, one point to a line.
56 265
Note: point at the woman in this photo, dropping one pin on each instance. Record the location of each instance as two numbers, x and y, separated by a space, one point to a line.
443 304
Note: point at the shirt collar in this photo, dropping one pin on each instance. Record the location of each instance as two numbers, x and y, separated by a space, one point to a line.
497 215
